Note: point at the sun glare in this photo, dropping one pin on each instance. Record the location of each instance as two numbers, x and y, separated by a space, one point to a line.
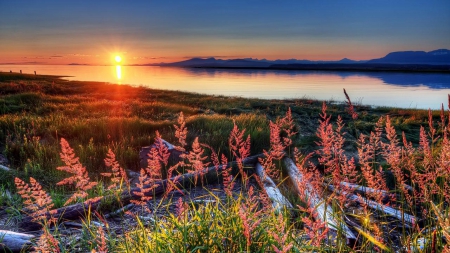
118 58
119 72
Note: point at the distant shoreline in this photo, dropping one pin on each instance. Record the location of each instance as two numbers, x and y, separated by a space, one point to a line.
357 67
340 67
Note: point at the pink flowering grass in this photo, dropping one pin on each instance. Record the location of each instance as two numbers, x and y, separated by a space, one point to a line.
243 220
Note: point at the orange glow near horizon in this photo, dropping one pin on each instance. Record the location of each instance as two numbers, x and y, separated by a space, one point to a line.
128 56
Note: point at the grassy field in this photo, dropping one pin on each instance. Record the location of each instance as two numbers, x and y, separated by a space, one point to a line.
37 111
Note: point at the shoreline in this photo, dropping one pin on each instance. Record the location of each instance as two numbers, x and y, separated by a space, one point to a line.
15 76
350 67
444 69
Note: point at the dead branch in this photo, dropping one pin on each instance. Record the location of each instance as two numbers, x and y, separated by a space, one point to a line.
410 219
173 158
75 211
279 202
366 190
2 167
323 210
13 241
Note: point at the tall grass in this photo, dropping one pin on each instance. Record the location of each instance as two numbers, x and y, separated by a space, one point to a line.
408 148
240 223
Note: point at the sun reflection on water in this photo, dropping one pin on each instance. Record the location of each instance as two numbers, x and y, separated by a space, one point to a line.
407 90
119 72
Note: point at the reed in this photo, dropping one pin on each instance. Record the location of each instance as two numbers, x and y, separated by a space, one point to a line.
36 121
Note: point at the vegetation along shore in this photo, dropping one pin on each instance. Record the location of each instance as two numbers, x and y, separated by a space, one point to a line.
218 174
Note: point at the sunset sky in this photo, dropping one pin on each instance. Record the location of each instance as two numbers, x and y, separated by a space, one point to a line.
93 32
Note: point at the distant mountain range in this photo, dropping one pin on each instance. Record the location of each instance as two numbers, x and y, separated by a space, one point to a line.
246 62
394 60
436 57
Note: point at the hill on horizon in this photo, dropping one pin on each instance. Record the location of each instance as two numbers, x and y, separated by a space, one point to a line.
435 57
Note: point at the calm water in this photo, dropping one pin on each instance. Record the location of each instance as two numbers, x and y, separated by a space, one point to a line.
381 89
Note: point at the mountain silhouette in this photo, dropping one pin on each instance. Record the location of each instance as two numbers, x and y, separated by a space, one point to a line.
437 60
436 57
213 62
245 63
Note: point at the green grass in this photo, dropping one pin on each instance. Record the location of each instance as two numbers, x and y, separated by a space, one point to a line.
95 116
36 111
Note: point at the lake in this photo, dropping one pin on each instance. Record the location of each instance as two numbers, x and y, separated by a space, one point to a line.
406 90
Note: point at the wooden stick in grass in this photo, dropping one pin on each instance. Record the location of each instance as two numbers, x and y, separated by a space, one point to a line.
324 211
14 242
409 219
174 153
279 202
2 167
366 234
366 190
119 211
75 211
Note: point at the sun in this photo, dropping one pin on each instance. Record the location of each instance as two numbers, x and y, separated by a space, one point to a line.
118 58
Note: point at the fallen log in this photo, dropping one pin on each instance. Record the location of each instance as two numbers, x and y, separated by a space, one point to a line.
366 190
279 202
363 232
6 194
322 209
14 242
2 167
119 211
75 211
408 187
72 224
409 219
174 156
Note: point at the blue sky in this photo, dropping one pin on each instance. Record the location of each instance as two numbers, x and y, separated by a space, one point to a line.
154 31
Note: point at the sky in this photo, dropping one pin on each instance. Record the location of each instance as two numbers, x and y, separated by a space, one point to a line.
93 32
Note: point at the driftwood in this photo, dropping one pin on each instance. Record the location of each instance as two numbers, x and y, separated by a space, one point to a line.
71 224
173 158
78 210
13 241
408 187
279 202
365 233
322 209
2 167
410 219
6 194
119 211
366 190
